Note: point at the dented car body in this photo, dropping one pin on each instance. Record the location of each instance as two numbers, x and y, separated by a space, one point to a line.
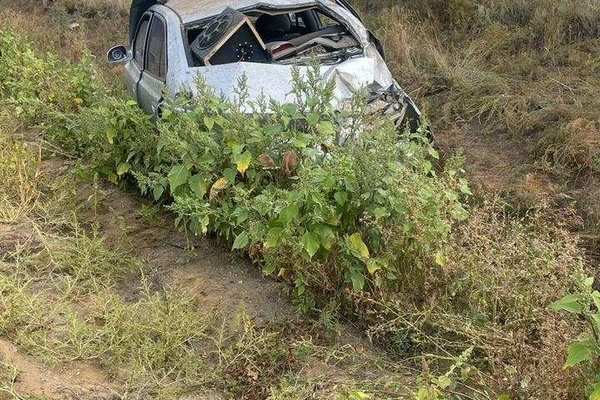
173 41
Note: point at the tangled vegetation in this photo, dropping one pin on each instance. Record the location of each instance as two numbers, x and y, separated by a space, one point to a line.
381 231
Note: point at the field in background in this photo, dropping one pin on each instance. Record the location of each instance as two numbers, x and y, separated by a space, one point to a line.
513 85
509 84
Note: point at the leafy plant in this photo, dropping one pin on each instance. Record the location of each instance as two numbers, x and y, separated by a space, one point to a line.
437 387
586 349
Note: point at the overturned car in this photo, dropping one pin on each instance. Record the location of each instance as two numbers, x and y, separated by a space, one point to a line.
171 42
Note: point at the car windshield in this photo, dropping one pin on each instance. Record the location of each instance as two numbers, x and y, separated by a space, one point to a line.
294 37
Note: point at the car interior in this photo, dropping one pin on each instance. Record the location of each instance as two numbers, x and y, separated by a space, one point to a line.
285 37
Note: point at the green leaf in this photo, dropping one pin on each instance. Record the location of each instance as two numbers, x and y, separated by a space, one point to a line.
123 168
241 241
198 185
358 280
326 128
440 259
588 282
380 212
341 198
209 122
571 303
288 214
358 248
374 265
273 238
313 119
290 109
311 243
444 382
243 162
464 187
230 174
111 134
433 153
326 234
178 176
580 351
240 214
158 191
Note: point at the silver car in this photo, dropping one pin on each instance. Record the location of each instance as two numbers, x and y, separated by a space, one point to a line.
171 42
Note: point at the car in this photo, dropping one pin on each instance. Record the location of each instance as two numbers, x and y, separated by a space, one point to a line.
171 42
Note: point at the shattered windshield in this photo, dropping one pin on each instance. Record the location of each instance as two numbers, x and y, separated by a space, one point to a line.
269 36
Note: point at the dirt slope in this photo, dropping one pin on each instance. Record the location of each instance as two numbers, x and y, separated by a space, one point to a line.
203 267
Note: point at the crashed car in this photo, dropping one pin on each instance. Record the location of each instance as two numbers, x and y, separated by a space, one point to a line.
172 41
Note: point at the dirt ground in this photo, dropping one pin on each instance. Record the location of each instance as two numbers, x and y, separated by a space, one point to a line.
203 267
77 381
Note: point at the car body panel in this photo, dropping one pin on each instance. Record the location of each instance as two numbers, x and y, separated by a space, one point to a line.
275 81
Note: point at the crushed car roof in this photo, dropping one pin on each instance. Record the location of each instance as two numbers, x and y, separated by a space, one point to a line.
194 10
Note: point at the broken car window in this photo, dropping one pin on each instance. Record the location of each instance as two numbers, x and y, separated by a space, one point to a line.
269 36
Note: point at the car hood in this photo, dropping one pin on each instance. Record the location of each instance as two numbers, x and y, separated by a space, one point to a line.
275 81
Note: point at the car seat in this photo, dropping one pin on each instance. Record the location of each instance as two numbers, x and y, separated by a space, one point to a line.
274 28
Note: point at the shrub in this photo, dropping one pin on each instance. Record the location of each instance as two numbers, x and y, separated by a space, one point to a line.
278 185
585 304
38 89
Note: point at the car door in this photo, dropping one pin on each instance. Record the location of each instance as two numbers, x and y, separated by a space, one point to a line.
154 74
134 68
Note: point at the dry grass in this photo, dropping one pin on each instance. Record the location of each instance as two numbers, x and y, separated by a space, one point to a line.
523 71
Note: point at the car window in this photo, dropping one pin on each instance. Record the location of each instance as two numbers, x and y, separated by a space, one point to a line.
140 41
156 56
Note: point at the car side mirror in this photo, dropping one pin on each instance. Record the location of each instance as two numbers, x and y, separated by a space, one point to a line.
118 55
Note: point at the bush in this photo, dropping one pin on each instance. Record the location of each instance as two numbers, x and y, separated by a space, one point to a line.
277 184
40 90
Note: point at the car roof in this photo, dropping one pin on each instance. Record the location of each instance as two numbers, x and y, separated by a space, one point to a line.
195 10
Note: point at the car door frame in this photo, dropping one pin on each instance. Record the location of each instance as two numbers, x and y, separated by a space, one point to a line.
150 88
133 69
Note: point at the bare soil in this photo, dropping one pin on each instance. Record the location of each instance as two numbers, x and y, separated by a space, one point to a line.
77 381
203 267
